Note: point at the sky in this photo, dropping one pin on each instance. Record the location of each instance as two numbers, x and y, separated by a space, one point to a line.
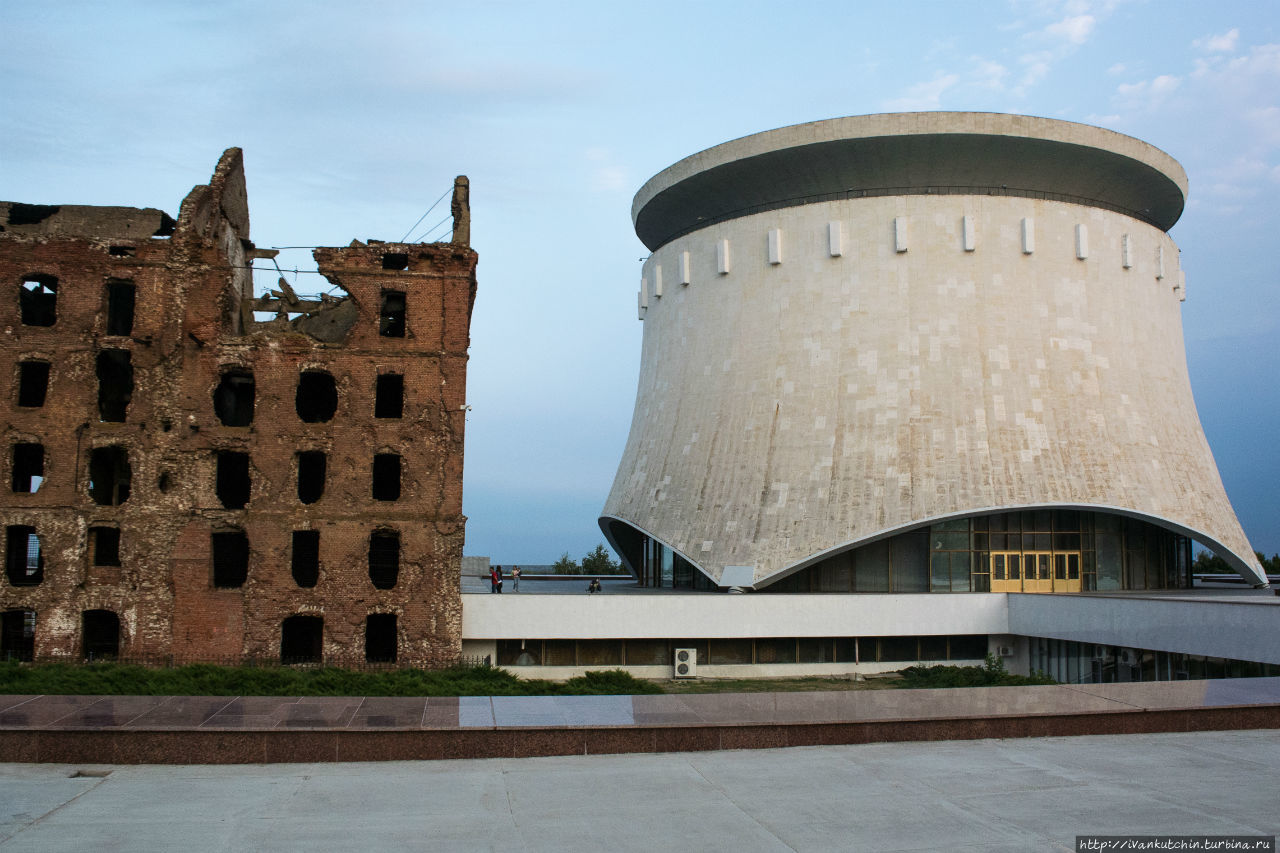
354 117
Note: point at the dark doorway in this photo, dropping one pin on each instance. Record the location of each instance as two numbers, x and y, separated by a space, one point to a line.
317 397
18 635
120 300
28 467
230 558
380 638
386 477
391 322
302 639
24 559
109 475
388 399
233 398
115 384
311 472
33 383
384 558
306 557
233 483
38 300
101 632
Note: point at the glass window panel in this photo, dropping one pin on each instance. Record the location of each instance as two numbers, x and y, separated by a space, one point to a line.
846 649
954 524
647 652
910 561
868 649
933 648
1060 567
1044 542
1066 541
557 652
1044 520
1066 519
999 523
1073 566
730 651
776 650
1042 561
940 572
982 583
1015 567
872 567
599 652
898 649
980 523
968 647
949 541
814 650
997 566
960 568
980 542
1014 543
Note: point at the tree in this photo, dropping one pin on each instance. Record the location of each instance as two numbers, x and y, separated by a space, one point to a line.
565 565
598 562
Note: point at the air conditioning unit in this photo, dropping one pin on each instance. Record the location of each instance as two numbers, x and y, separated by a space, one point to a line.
1004 651
686 664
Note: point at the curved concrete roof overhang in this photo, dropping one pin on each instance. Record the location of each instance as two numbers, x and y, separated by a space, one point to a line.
606 523
1251 574
911 154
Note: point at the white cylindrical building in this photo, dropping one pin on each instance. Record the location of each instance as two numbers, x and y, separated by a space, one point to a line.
917 352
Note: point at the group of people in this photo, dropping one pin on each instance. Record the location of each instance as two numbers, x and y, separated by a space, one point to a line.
495 579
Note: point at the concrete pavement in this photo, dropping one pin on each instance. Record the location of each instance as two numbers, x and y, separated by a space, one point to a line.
987 795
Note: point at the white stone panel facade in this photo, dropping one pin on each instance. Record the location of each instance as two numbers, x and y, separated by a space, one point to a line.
797 406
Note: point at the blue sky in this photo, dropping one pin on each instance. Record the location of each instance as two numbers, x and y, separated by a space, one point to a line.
354 117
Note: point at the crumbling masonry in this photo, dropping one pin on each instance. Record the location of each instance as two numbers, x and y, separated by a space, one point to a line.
188 483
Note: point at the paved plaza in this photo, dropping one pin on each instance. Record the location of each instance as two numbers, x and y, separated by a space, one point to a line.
987 795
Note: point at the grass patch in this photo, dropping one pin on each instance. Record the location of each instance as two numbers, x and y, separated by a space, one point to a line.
111 679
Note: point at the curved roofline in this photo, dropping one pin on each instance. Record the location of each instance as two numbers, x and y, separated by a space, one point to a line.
1241 566
608 534
908 153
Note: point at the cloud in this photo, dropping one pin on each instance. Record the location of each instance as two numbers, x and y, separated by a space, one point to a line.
1074 30
1225 43
605 174
988 74
1147 93
1118 68
923 96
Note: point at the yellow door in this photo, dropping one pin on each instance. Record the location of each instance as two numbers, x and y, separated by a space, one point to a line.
1037 575
1006 572
1066 572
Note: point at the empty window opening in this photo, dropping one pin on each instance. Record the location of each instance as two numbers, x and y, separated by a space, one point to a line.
380 638
28 467
121 251
391 315
386 477
105 545
164 483
38 299
120 301
311 471
24 560
115 384
233 478
101 632
302 639
18 635
33 383
388 399
306 557
395 261
384 558
317 397
109 475
233 398
230 558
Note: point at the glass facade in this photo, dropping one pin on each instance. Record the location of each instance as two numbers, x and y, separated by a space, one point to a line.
1040 550
1087 663
659 566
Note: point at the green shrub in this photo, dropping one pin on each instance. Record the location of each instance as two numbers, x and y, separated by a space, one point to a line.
990 674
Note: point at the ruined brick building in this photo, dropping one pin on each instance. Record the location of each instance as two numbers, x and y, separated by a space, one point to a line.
186 481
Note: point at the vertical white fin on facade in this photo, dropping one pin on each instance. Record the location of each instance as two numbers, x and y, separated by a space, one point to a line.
775 245
657 280
1159 262
835 239
968 237
722 257
900 234
1028 235
1082 241
1126 252
684 268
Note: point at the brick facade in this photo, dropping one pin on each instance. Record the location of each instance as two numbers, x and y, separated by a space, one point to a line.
197 357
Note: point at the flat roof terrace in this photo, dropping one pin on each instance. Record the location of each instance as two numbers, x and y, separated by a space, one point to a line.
941 153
